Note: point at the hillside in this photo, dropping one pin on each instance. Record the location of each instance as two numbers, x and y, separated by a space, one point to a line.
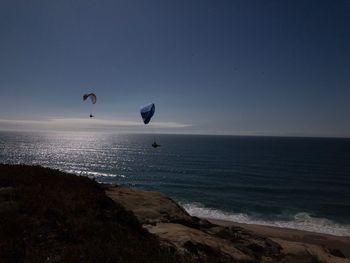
50 216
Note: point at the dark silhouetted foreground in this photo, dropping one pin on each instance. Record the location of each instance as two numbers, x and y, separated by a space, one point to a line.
50 216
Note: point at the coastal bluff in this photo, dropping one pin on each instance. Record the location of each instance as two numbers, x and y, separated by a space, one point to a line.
50 216
210 240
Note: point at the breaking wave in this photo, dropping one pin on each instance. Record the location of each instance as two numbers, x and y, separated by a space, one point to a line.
93 174
300 221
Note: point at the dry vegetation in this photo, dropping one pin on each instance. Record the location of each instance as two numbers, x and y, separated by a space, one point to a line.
50 216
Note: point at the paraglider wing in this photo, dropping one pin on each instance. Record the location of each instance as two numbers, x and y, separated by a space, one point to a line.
147 112
92 96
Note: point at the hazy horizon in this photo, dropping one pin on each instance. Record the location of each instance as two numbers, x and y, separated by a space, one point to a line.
141 131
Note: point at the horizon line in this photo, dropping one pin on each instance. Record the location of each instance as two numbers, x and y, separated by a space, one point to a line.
175 133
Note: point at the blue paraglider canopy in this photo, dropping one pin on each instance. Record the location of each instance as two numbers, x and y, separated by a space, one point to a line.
147 112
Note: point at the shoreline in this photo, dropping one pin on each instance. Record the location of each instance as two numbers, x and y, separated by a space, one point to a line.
294 235
168 220
299 221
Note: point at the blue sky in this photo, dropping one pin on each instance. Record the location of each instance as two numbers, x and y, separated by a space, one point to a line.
211 67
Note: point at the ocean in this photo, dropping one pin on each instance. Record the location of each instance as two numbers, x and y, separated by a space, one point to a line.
299 183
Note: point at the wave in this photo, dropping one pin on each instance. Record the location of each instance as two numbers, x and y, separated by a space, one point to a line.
93 174
300 221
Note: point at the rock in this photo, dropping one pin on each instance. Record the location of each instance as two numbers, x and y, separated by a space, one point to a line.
196 244
198 240
151 207
191 236
337 253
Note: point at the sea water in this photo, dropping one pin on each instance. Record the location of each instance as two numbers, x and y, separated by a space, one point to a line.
301 183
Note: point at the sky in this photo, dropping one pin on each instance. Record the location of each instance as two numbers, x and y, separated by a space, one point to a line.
279 68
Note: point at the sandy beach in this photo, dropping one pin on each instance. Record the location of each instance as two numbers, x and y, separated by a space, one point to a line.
293 235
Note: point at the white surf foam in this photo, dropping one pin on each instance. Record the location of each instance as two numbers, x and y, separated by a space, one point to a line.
94 174
301 221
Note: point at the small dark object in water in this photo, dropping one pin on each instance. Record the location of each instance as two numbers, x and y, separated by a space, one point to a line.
91 115
155 145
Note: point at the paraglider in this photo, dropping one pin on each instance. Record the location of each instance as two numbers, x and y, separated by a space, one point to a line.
147 113
93 99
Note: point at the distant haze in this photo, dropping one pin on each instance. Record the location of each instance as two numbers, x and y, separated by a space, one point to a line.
211 67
